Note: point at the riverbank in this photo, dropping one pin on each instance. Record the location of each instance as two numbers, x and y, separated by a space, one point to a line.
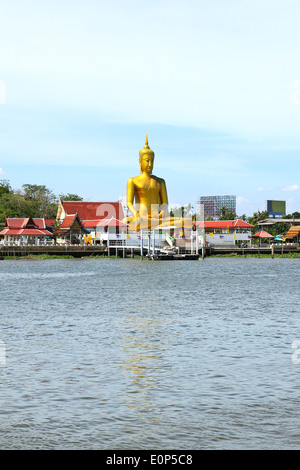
49 257
225 255
81 251
253 255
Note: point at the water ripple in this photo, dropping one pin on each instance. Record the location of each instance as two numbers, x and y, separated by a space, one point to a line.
127 354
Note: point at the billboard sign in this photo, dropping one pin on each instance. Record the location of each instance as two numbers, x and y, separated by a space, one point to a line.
275 208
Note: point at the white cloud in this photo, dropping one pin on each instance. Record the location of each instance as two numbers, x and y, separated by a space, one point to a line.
292 187
242 200
189 63
2 172
244 206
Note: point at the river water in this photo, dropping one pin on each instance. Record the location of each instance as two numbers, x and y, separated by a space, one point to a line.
131 354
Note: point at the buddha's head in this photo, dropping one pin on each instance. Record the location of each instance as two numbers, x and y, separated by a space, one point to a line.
146 158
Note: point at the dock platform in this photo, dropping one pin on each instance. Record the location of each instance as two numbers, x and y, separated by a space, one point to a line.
81 251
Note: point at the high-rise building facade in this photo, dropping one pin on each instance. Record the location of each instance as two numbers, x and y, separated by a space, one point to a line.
211 206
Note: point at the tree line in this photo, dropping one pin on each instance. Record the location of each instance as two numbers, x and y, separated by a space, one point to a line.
32 200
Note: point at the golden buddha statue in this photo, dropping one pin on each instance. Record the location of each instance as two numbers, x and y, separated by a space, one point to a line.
147 197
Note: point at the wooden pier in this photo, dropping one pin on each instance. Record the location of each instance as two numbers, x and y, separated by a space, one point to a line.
254 250
77 251
80 251
173 257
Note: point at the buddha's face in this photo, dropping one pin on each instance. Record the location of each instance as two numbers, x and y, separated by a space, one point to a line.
147 164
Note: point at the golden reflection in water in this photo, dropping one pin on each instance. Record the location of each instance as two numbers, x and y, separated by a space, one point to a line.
142 343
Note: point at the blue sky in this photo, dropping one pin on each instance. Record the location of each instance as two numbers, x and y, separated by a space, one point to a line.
215 84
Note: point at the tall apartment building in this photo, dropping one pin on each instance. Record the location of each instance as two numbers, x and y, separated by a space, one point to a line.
210 206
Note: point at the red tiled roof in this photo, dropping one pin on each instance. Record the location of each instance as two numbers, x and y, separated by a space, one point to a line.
18 223
67 221
25 226
49 221
238 223
112 222
11 231
40 223
25 231
91 223
94 210
36 232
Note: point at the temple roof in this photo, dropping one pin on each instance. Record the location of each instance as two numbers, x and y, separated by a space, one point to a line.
19 223
25 226
112 222
71 222
238 223
94 210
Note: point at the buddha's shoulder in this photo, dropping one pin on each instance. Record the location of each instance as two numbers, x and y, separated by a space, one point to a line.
134 179
159 180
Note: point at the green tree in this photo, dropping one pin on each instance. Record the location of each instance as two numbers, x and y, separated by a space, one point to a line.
227 214
280 228
5 187
43 200
258 216
6 203
14 205
183 211
70 197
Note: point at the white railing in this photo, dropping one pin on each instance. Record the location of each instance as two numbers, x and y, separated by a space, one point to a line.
23 243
